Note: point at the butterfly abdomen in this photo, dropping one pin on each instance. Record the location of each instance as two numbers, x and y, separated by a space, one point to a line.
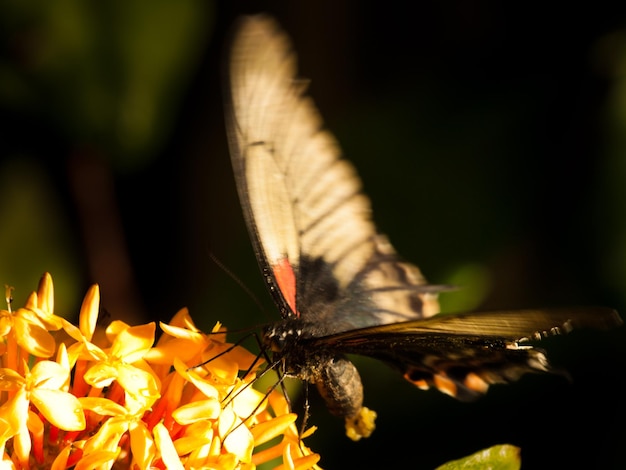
340 386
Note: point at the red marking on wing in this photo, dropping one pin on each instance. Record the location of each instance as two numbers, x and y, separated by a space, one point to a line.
286 280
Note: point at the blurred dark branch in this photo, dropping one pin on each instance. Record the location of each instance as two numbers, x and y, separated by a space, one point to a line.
105 246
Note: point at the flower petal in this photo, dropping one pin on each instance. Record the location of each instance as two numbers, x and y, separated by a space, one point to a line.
73 331
197 436
264 432
48 374
237 438
306 462
240 442
15 411
60 462
183 319
138 384
206 388
166 448
142 445
100 375
287 459
248 401
132 344
108 436
92 460
62 409
102 406
34 338
10 380
184 349
182 333
7 430
197 411
6 323
45 293
89 312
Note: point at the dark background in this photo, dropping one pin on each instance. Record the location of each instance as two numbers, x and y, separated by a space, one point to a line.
490 137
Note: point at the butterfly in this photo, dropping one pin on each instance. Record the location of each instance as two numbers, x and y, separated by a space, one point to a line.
338 283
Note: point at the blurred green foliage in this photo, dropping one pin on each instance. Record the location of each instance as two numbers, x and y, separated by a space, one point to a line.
36 236
106 76
109 74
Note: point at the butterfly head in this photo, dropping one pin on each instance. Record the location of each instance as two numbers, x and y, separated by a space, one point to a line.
280 337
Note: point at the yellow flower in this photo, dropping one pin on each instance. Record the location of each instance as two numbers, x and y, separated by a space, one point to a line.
25 328
43 389
187 402
123 363
104 446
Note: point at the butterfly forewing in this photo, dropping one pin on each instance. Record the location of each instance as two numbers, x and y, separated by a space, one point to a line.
310 223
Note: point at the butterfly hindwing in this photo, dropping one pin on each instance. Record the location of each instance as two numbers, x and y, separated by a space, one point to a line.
462 354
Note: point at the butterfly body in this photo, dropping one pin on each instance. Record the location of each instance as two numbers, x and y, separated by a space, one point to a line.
338 283
334 375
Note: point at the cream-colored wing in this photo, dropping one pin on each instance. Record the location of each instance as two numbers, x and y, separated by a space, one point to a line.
309 221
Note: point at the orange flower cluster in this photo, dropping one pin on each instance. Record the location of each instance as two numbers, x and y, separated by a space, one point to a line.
128 403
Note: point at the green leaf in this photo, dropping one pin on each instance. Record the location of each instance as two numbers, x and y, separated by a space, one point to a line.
499 457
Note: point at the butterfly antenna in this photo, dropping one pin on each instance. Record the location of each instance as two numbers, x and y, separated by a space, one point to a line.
238 281
229 349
